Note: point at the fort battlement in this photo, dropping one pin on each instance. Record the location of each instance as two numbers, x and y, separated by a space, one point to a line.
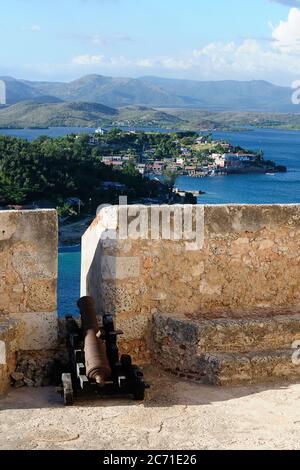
28 278
217 306
208 292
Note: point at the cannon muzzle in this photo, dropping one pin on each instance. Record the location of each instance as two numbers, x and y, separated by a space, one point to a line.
96 362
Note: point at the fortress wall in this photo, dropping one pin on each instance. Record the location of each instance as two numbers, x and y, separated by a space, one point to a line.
246 263
28 275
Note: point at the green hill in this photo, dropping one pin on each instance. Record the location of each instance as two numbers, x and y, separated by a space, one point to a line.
80 114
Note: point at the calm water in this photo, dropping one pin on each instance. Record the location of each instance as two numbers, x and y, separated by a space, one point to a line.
68 279
281 146
31 134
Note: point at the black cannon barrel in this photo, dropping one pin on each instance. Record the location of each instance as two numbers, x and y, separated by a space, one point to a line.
96 362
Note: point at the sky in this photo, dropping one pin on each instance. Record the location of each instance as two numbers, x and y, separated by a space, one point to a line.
195 39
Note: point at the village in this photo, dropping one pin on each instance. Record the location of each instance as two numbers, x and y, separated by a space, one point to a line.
183 154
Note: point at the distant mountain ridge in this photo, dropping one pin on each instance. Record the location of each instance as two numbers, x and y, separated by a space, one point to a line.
43 114
228 95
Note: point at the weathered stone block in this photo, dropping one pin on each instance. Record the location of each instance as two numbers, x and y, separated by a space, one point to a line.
28 261
120 267
38 330
228 351
251 368
9 336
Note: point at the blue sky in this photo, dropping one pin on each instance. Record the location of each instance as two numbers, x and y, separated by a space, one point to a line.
197 39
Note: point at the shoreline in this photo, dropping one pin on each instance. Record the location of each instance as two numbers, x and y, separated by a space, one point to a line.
162 128
70 234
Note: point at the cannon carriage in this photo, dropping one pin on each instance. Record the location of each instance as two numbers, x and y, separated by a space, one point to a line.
95 367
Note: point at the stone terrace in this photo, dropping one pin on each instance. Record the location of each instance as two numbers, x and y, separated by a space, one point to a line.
176 414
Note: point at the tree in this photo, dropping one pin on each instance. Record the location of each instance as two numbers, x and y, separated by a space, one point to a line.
130 169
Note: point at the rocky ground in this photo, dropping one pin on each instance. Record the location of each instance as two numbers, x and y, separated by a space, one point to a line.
175 415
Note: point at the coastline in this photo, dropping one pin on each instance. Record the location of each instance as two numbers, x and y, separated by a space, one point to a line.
157 128
70 234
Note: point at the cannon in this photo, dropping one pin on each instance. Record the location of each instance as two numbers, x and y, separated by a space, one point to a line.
95 367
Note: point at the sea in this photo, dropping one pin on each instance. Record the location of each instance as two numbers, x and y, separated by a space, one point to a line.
282 188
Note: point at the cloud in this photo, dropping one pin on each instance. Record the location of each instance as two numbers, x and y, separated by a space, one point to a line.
290 3
249 59
88 59
101 39
93 60
287 34
34 28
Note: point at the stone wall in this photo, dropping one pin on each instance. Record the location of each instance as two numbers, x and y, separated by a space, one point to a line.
8 351
246 265
28 281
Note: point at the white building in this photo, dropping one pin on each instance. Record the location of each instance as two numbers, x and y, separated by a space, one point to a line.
180 161
2 92
219 159
111 158
141 168
100 131
201 140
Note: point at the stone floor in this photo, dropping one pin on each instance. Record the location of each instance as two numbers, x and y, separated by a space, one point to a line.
176 415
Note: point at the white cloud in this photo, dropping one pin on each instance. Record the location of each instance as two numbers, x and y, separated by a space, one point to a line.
276 60
96 39
251 58
92 60
246 60
101 39
291 3
34 28
287 33
146 63
88 59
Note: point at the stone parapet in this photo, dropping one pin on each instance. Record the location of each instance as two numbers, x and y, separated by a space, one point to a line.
243 262
28 280
9 344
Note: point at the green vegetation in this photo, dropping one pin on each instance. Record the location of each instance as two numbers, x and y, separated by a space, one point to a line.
199 119
62 168
36 114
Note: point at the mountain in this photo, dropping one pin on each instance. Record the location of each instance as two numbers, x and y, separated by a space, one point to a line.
229 95
110 91
17 90
34 113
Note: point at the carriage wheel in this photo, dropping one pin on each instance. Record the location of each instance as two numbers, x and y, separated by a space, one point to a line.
139 392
